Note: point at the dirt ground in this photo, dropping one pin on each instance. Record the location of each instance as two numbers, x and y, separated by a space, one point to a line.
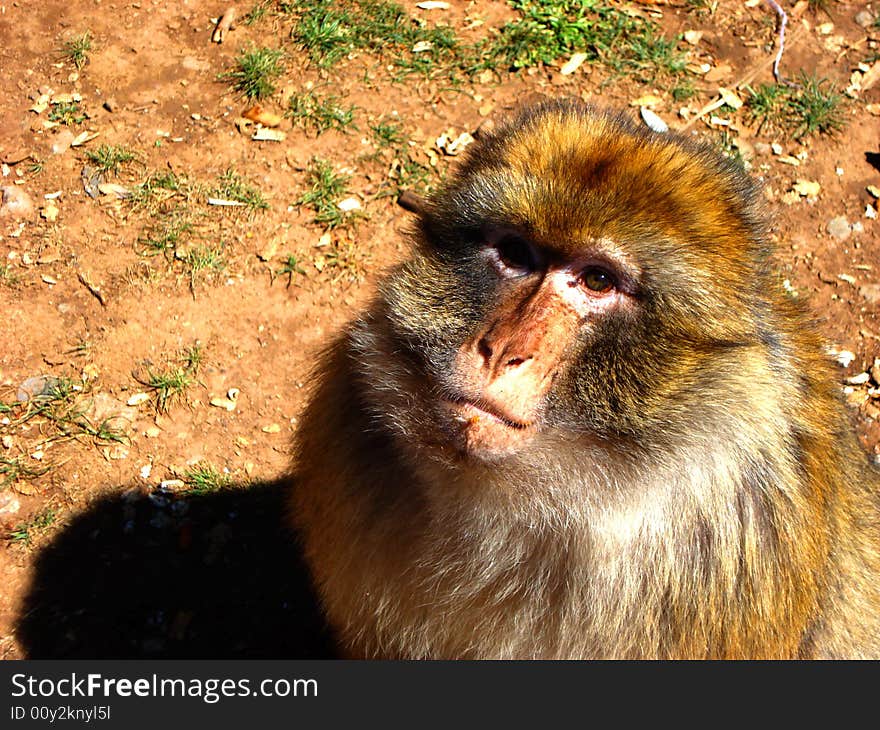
98 560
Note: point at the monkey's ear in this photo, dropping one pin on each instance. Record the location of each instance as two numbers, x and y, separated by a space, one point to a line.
408 200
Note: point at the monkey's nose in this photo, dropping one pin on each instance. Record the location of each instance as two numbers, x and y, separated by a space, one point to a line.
484 350
503 360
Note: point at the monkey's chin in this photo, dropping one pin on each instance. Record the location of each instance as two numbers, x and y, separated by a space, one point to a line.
482 435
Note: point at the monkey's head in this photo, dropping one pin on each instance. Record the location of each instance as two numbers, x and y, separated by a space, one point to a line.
578 275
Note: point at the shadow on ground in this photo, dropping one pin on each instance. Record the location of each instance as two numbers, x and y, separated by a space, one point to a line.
217 575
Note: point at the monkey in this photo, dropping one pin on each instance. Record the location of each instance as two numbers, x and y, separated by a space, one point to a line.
583 420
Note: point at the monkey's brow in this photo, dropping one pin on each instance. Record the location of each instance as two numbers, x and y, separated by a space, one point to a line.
591 247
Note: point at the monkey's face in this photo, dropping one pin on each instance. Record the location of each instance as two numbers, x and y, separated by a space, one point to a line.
573 278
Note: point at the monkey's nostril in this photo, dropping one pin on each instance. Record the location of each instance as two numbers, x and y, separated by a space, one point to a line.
516 361
484 349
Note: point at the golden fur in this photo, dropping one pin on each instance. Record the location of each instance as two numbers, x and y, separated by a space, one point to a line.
696 491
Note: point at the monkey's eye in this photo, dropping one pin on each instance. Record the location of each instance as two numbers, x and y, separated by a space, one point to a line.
517 253
598 280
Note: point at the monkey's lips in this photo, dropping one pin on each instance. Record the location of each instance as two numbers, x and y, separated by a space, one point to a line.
484 430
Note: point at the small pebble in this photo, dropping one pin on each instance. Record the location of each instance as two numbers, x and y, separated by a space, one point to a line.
9 504
37 388
864 18
15 202
172 485
839 228
871 293
349 204
62 141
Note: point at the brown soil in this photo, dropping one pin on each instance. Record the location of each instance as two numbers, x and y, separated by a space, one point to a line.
118 574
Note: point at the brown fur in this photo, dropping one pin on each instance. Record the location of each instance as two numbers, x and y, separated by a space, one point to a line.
693 489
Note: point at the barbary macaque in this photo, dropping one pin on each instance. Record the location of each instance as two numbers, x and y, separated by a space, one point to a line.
584 420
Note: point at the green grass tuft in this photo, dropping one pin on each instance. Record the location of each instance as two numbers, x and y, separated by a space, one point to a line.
256 72
550 30
289 267
67 113
24 532
234 187
14 468
329 31
326 187
204 478
319 114
168 232
170 385
109 158
76 49
811 106
258 12
387 134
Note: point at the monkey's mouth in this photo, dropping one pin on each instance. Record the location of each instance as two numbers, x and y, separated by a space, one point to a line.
472 411
481 430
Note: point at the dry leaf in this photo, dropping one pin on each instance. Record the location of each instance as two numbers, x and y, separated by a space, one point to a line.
66 98
445 143
262 134
653 121
83 137
647 100
574 63
718 73
49 212
226 403
807 188
730 98
256 113
872 75
225 24
120 191
226 203
268 253
242 124
95 290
